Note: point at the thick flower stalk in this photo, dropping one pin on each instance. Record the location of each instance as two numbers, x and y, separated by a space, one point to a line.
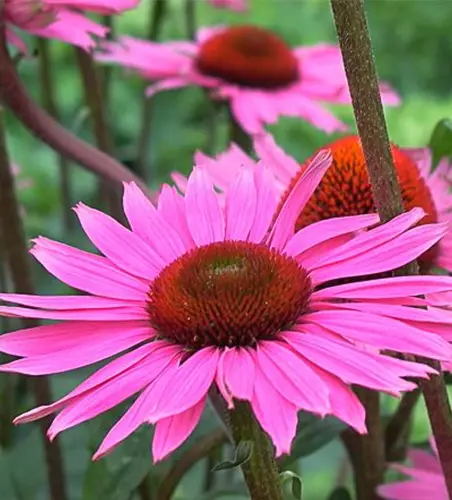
251 68
59 19
229 297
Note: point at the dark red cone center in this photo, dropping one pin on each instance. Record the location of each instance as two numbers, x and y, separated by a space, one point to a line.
227 294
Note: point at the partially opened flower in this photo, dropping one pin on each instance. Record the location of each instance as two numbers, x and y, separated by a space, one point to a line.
252 68
203 296
426 479
237 5
345 189
59 19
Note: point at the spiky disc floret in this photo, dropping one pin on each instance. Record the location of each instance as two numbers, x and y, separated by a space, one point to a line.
227 294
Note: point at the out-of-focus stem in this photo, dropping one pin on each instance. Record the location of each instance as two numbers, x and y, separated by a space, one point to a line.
16 98
98 113
398 428
190 18
16 257
107 70
157 13
49 102
354 39
201 449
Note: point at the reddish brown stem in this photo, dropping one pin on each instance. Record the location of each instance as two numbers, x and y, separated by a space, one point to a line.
16 256
354 39
16 98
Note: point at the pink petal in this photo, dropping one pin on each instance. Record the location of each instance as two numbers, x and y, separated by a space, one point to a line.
241 200
381 332
114 391
107 339
179 391
204 215
399 286
171 432
301 192
292 377
136 415
236 371
124 248
347 362
87 272
66 302
104 375
324 230
147 223
276 415
266 203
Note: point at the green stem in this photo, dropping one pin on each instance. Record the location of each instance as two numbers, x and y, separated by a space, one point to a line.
260 471
239 136
48 97
354 40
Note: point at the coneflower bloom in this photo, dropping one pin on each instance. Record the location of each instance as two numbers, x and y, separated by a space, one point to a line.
237 5
252 68
426 479
345 189
59 19
228 298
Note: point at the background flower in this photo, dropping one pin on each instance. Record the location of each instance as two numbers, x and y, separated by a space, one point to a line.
250 67
228 297
59 19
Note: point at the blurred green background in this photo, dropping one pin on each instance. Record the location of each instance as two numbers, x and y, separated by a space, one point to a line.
413 51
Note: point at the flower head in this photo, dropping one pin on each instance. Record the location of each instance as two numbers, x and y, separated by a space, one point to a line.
249 66
203 294
426 479
345 188
59 19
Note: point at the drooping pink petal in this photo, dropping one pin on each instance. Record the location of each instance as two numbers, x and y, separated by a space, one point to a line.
107 339
381 332
88 272
104 375
398 286
292 377
276 415
236 373
124 248
114 391
171 432
67 302
179 391
346 362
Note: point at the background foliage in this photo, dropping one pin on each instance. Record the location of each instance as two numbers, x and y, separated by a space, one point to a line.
412 53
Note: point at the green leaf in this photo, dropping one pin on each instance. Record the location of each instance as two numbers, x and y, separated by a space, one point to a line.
242 455
340 493
441 141
313 434
295 483
118 475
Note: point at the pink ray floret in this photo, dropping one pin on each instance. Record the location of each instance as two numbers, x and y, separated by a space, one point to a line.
321 79
60 19
237 5
425 478
341 336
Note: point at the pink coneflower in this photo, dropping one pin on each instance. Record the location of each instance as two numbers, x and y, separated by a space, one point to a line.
426 479
237 5
345 189
229 298
59 19
252 68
